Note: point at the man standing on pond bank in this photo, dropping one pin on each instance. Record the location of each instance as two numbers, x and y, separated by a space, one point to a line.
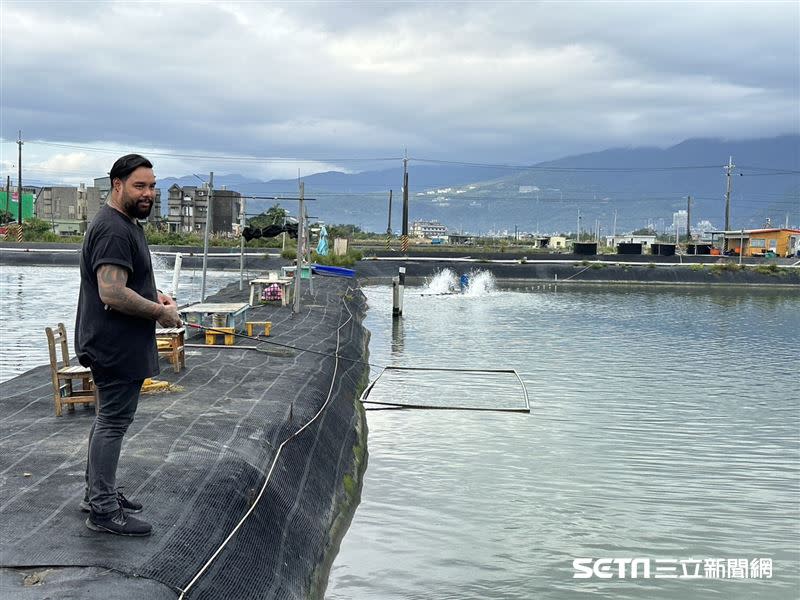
118 309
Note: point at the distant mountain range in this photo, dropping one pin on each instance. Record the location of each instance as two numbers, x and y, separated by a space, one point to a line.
640 186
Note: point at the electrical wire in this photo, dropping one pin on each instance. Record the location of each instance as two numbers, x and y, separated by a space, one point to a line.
278 452
540 167
231 158
506 166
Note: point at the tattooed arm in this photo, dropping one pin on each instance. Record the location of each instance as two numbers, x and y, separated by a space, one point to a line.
111 280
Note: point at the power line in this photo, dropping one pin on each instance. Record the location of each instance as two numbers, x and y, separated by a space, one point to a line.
543 196
567 169
259 159
771 174
550 168
781 171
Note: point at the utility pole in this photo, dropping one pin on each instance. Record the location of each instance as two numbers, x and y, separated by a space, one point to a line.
241 245
728 171
688 219
404 236
741 246
205 235
19 186
8 196
301 236
578 235
614 233
389 226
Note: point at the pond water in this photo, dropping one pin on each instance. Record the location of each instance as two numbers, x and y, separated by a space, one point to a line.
665 426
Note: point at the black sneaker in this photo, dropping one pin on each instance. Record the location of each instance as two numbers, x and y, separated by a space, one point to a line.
118 523
130 506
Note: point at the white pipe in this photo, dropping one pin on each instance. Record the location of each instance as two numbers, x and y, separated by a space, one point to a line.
176 273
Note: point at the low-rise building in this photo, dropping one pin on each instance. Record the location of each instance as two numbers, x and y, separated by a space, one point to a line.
612 241
758 242
187 209
460 239
180 208
64 207
428 229
550 242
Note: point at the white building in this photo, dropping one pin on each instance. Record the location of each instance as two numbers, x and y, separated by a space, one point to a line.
644 240
428 229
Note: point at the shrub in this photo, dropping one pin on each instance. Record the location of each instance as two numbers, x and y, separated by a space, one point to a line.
47 236
159 237
345 260
770 269
37 230
697 267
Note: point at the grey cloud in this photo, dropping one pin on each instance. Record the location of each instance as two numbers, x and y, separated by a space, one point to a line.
501 81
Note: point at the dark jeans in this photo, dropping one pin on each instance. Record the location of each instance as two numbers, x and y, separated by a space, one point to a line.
117 402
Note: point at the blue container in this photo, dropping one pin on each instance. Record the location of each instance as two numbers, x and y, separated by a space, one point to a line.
337 271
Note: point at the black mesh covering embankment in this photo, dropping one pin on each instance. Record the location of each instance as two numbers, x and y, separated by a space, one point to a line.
198 459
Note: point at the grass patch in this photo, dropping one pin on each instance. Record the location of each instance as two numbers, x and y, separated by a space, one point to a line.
723 267
348 481
349 485
770 269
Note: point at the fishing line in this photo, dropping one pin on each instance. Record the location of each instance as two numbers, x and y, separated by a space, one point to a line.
384 368
523 408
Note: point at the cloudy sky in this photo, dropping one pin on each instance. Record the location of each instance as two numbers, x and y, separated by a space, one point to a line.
329 82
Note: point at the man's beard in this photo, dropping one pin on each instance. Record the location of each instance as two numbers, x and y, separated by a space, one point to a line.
135 211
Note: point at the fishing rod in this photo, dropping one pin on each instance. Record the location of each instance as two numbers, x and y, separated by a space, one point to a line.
274 343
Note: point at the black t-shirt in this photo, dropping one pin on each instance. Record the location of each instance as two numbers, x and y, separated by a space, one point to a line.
117 347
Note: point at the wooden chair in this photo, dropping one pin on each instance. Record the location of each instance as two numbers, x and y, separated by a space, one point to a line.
170 341
64 391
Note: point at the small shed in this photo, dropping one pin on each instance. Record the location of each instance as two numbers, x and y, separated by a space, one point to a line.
662 249
629 248
698 248
584 248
